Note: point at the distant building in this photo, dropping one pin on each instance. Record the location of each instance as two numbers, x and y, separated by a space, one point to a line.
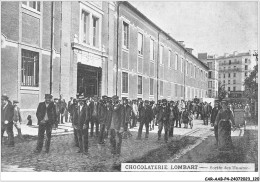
233 70
213 73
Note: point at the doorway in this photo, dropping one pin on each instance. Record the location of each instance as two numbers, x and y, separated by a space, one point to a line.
89 80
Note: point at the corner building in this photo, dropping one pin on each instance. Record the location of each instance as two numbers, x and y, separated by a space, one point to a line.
151 64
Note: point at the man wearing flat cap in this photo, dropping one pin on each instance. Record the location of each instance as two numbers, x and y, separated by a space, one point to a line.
116 127
46 115
7 114
163 120
94 116
102 119
146 114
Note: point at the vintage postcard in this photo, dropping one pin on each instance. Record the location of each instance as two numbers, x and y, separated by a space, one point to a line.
129 88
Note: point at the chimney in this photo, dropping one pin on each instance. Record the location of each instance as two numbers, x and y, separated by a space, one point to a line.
189 50
182 43
235 53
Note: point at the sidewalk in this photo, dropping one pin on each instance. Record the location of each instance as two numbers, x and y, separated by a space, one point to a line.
62 129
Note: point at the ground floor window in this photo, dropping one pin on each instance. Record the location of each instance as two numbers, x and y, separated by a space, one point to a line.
124 82
161 88
140 85
30 68
151 86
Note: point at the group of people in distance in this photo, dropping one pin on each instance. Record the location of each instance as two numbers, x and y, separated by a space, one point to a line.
112 119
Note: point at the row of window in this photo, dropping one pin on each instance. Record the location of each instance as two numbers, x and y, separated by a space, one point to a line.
125 86
229 82
235 67
191 69
229 75
33 5
235 61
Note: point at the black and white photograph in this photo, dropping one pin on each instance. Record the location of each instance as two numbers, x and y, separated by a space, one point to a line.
129 88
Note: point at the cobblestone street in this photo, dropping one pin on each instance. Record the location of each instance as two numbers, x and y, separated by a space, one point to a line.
63 154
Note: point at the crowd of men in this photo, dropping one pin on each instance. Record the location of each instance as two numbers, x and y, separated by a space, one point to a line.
110 117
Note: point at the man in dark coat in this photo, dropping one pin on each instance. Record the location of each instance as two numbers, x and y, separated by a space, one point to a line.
163 120
116 127
109 111
146 115
172 117
178 114
214 114
80 125
102 118
7 114
94 116
205 113
46 115
127 118
73 107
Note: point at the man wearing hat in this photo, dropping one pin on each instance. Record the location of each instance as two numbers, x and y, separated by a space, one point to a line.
146 115
7 114
109 111
80 125
163 120
127 118
102 118
47 116
17 118
94 116
116 127
172 117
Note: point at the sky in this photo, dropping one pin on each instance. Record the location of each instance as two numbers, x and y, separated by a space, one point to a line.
212 27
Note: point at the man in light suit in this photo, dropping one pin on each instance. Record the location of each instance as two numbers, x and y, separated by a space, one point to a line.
46 115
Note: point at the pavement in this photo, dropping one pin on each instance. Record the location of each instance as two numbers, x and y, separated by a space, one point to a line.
63 154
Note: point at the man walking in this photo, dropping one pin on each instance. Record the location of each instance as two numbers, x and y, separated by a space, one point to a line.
7 114
17 119
46 115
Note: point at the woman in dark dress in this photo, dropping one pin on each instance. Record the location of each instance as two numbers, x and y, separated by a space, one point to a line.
223 122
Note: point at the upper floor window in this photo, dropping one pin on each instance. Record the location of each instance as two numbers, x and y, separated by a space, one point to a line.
85 27
30 68
246 60
169 59
152 54
229 75
161 87
229 62
90 30
140 43
246 67
95 31
234 74
161 54
126 35
209 65
176 61
35 5
210 74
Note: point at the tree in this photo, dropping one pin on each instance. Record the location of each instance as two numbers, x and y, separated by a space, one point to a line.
221 91
251 85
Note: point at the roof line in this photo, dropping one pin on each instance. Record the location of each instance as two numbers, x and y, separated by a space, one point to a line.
161 30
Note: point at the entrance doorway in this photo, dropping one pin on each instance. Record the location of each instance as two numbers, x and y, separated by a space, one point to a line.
89 80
